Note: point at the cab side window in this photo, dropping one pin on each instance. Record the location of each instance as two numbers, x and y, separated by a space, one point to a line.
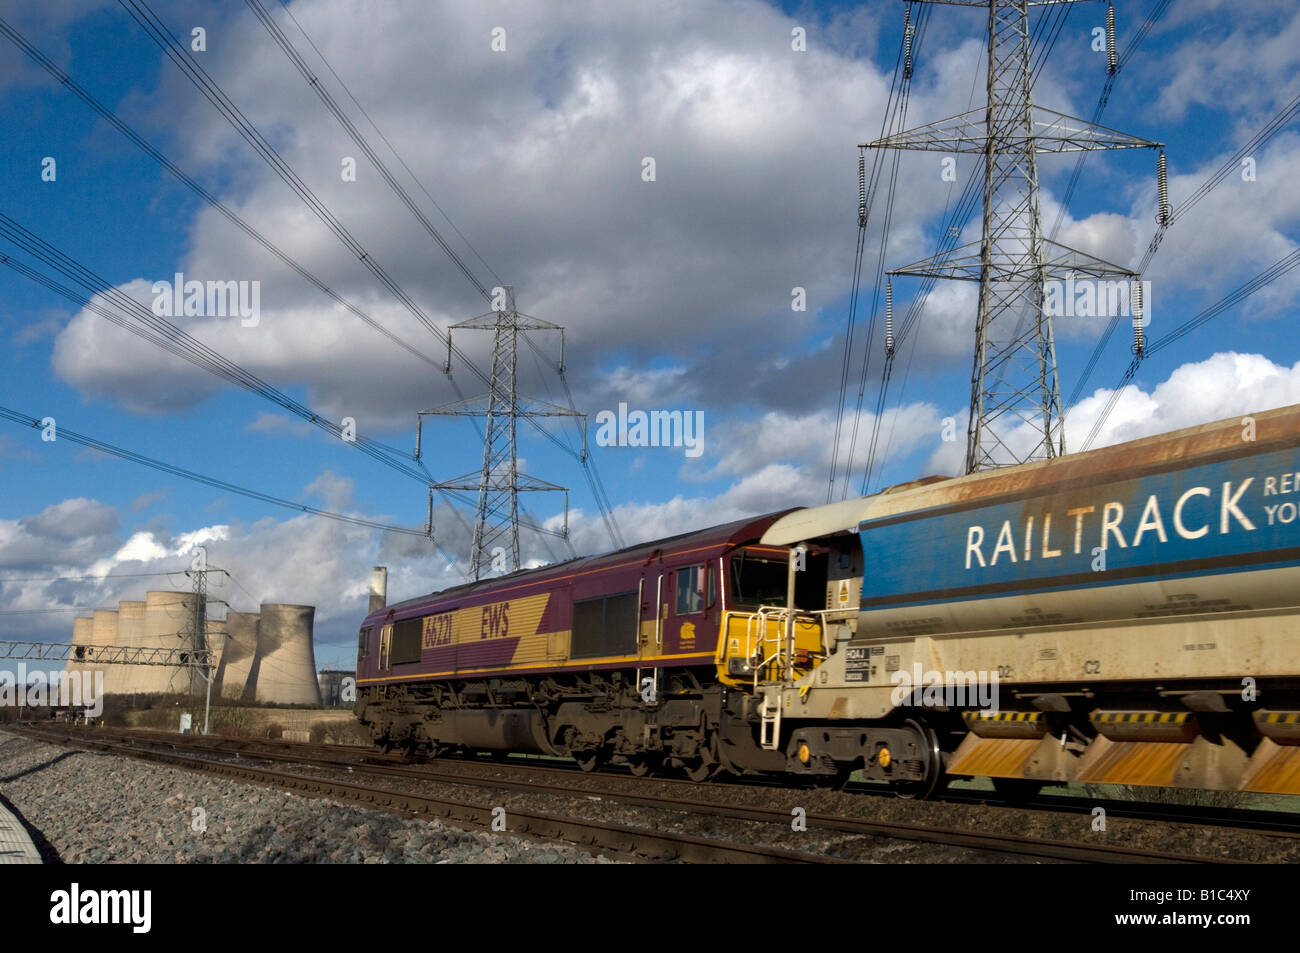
694 589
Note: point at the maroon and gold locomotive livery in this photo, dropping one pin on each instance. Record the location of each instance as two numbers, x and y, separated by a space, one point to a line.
610 657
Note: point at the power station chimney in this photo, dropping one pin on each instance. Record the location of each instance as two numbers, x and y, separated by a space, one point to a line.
378 588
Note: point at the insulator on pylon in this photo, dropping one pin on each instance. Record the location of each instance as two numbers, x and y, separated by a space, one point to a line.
1162 189
1112 59
889 319
1139 322
907 43
862 189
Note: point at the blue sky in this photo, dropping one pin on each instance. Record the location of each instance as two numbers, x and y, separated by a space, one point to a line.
675 293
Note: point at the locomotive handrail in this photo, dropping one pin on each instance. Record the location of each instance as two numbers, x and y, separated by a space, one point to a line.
783 654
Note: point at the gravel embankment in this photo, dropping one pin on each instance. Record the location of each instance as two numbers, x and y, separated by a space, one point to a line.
97 808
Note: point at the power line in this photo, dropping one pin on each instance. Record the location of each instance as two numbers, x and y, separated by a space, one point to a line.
212 91
1014 376
168 336
196 352
47 611
301 65
956 216
1279 121
114 575
289 12
110 117
1156 12
868 188
153 26
64 433
296 58
1234 297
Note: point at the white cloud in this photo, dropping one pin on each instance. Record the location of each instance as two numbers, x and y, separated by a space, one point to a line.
141 547
750 138
1223 385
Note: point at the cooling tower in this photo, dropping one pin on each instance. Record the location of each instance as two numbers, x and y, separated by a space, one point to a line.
238 653
286 669
168 618
130 632
216 629
104 632
81 635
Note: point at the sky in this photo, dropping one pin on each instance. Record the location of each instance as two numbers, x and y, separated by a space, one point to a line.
525 134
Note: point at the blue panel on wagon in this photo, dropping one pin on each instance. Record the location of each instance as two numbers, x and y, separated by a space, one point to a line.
1225 516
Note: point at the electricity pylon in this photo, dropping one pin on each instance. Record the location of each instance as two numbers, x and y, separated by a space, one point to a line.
498 482
195 636
1014 379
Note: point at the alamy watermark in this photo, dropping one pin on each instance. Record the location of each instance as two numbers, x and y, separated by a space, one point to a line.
976 689
1098 298
655 428
208 299
53 689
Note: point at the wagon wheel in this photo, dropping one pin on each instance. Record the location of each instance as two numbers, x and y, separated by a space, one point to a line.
588 759
933 778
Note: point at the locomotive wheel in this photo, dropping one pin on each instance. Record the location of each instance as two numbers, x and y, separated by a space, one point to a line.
933 779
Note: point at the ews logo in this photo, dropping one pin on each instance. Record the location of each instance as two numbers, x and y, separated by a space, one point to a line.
496 621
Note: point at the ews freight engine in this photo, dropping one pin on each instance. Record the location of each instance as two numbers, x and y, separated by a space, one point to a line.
1127 615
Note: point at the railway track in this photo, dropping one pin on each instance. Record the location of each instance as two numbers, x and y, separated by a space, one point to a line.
1281 823
209 754
626 842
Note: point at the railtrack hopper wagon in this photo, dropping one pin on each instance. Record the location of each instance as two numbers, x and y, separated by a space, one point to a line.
1126 615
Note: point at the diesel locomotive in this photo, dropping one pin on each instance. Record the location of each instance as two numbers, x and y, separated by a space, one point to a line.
1126 615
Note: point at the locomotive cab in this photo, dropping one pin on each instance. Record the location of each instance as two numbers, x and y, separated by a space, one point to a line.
789 608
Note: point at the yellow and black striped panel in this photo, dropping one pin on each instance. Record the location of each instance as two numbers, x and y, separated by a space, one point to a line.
1002 716
1140 717
1146 725
1006 724
1282 726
